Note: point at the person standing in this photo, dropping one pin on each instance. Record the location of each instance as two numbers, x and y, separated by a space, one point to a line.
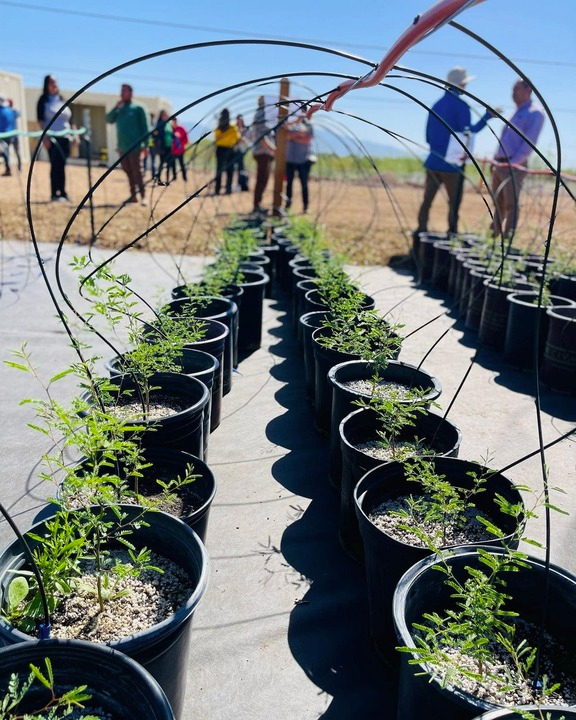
163 146
239 150
5 121
151 155
511 158
298 153
226 136
179 145
263 150
131 120
448 115
58 145
14 141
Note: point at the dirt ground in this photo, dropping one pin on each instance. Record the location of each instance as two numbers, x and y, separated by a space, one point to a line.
370 221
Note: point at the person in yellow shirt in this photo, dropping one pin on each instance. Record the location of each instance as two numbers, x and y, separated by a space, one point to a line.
226 136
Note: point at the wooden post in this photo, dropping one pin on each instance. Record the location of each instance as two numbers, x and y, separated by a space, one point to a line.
280 161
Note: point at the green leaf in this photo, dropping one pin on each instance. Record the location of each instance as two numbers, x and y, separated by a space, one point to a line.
17 592
46 681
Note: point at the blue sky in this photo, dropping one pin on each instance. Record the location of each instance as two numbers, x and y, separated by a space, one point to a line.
79 42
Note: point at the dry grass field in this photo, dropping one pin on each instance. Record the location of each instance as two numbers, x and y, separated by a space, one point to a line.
367 220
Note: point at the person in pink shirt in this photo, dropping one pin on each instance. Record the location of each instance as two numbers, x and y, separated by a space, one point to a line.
179 144
511 157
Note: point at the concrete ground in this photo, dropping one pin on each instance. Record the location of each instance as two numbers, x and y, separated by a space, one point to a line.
282 631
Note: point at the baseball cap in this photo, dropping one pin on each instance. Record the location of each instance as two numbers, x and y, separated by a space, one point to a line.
458 76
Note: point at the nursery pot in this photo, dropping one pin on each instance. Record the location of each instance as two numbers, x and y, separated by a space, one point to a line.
564 285
387 558
523 318
464 282
441 264
476 290
118 685
309 322
163 649
251 311
422 589
298 305
313 302
213 342
213 308
425 256
165 464
186 429
286 251
195 363
271 251
361 427
263 264
324 359
169 464
495 310
344 397
559 364
549 712
232 291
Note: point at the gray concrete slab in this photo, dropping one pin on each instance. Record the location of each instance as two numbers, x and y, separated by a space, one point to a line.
282 631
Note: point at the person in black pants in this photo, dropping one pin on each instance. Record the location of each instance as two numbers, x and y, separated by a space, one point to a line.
298 157
57 143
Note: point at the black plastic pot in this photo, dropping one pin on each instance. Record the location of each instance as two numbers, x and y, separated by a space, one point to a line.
313 302
343 397
251 311
361 426
165 464
422 589
387 559
213 342
118 685
523 318
441 264
464 281
309 322
548 712
162 650
263 264
559 363
271 251
170 464
495 311
195 363
425 256
298 305
476 291
564 285
286 252
187 429
324 359
213 308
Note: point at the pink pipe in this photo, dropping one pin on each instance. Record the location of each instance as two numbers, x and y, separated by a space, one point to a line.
424 24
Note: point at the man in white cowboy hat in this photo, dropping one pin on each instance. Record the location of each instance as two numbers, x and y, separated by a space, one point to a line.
448 116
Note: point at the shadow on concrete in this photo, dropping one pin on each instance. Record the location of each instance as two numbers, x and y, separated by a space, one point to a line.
328 633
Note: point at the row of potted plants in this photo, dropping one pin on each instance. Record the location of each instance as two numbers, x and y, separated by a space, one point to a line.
119 560
439 539
518 302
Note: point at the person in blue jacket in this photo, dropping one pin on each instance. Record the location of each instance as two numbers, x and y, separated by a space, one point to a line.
448 115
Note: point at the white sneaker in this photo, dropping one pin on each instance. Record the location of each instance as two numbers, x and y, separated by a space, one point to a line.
144 202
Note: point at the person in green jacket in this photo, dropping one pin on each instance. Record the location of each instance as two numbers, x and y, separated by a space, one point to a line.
133 128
